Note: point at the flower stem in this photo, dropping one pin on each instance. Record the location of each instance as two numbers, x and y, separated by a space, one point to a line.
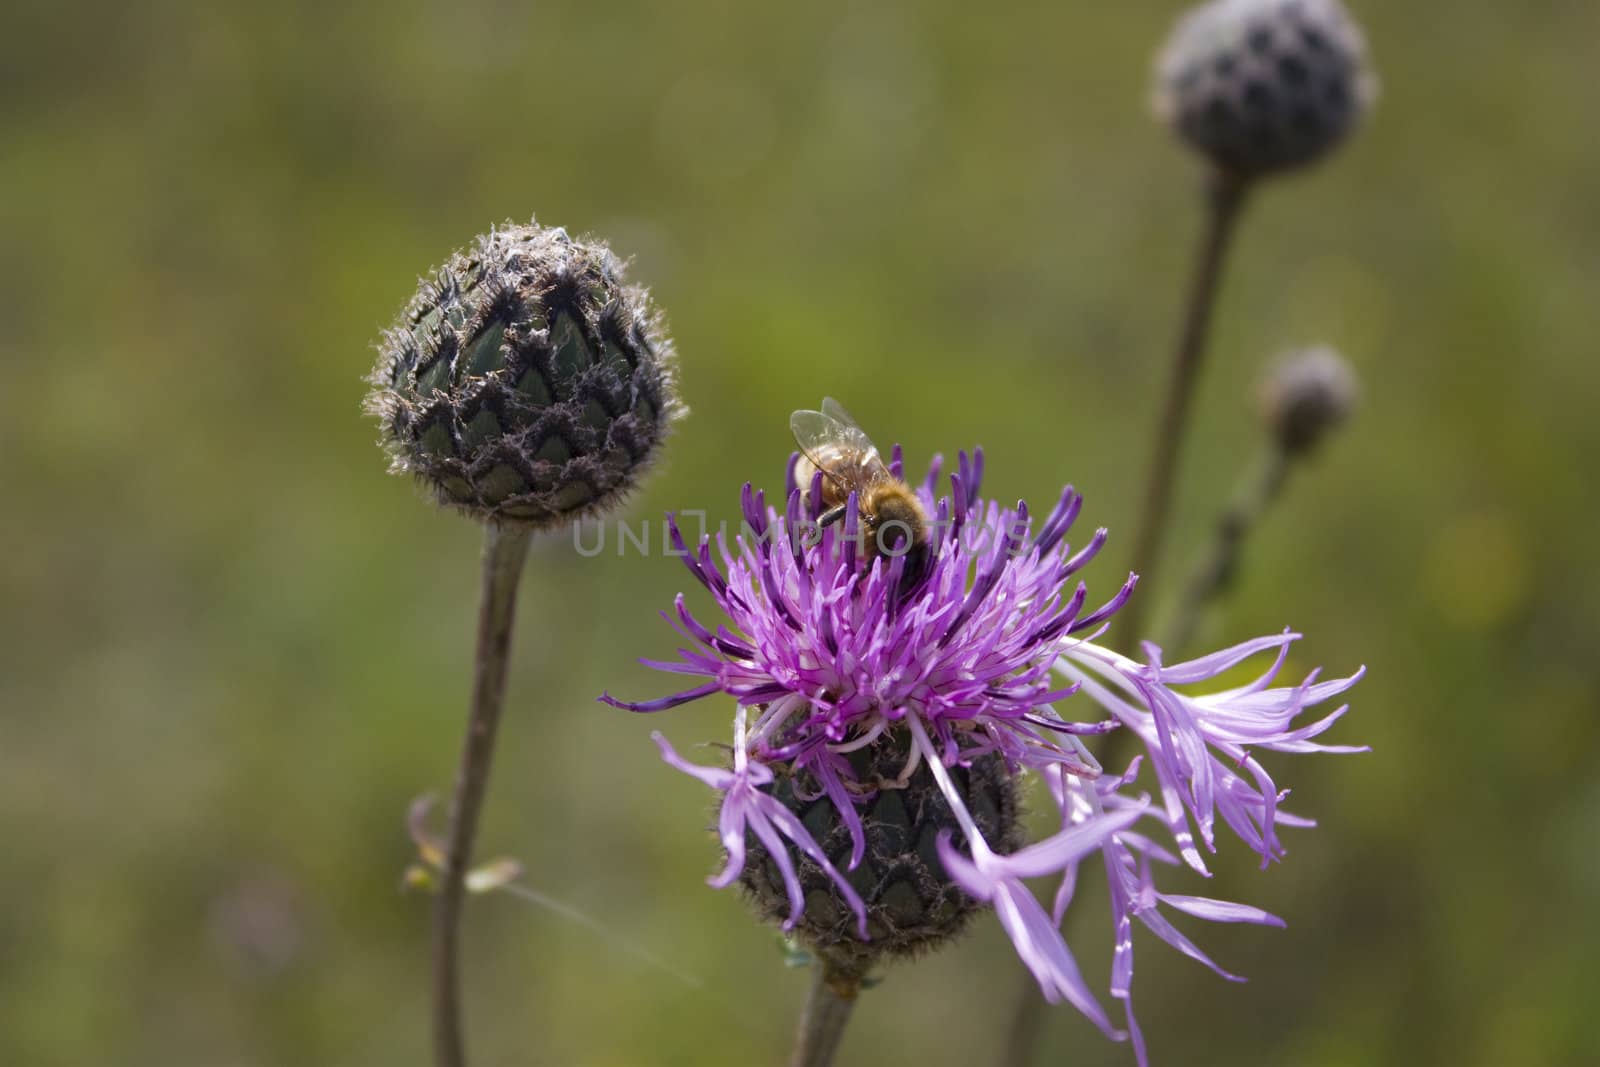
1216 569
1027 1012
828 1006
505 549
1225 196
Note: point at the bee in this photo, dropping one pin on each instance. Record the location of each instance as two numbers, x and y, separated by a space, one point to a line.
893 520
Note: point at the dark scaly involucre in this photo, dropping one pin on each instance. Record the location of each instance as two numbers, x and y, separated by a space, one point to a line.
526 382
913 906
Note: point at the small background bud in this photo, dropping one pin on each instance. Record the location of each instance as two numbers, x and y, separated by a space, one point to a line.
1306 394
526 382
912 906
1260 86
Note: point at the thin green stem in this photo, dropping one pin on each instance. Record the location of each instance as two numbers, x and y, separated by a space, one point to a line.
828 1007
1215 570
1027 1013
1225 197
505 550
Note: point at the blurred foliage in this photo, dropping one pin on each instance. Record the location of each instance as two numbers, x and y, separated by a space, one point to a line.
234 650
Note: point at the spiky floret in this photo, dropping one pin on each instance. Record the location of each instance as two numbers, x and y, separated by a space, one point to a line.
526 382
1264 85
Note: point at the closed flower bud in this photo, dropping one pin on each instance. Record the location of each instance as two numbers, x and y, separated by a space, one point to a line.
1260 86
1306 395
526 383
912 904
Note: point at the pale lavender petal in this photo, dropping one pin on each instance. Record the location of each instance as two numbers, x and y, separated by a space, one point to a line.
1207 667
768 836
963 872
715 777
1064 894
1158 925
1141 1056
731 822
1052 855
1044 953
1221 911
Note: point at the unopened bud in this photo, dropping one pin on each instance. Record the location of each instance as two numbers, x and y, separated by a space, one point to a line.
526 383
1259 86
1306 394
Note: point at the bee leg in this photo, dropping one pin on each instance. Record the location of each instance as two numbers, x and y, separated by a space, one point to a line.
831 516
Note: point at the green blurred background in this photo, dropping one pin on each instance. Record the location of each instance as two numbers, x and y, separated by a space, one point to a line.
234 650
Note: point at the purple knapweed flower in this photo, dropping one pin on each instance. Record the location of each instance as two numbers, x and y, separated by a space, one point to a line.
887 704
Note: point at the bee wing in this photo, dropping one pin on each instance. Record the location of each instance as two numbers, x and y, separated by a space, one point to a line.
835 410
837 447
871 462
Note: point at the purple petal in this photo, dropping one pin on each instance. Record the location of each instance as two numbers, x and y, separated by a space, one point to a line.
1198 670
1052 855
1221 911
731 822
664 703
1158 925
715 777
1043 952
795 830
962 871
1106 610
757 821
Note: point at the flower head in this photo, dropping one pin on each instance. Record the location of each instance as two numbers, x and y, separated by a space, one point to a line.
526 382
887 705
1264 86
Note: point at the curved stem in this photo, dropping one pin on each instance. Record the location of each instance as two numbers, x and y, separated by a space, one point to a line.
1216 568
828 1007
505 549
1226 195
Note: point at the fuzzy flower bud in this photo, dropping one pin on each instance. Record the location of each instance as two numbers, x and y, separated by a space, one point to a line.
526 383
1260 86
1307 394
